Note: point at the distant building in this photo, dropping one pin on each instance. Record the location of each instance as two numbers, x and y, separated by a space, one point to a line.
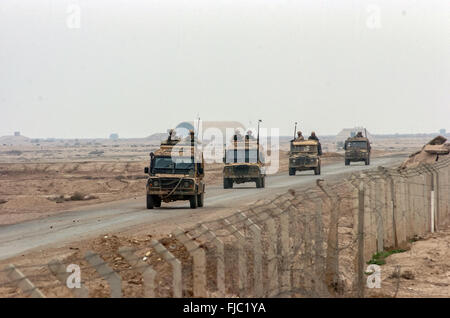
442 132
114 136
17 133
351 132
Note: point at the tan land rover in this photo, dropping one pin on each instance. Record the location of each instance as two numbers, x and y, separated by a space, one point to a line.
244 162
357 149
304 155
176 172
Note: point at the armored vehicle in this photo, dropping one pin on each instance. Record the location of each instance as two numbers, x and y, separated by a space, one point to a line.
357 149
244 162
176 172
304 155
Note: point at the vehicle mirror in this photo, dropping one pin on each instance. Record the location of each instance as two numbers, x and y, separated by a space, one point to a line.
146 170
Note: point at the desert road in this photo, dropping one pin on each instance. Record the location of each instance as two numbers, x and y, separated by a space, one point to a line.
94 220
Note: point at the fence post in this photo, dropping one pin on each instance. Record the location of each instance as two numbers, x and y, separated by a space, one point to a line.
199 261
434 197
285 269
388 208
370 246
242 258
332 260
176 267
257 254
113 279
220 255
379 205
280 212
272 266
297 266
148 274
358 232
412 197
21 281
361 218
59 271
402 233
426 202
398 210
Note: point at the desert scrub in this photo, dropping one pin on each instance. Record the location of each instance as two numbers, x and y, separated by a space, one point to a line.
380 257
77 196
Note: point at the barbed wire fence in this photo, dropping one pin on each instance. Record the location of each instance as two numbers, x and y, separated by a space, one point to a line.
313 243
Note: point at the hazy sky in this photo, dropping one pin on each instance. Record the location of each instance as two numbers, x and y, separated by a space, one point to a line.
139 67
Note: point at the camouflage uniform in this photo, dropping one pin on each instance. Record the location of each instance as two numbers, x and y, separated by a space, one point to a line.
319 146
299 136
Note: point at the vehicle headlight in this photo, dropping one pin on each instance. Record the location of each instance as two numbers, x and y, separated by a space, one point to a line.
156 183
187 184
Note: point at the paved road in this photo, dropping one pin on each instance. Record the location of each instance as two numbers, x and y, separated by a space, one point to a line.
108 217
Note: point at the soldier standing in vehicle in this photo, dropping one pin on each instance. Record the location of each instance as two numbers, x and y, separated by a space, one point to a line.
172 136
313 136
319 146
299 136
250 135
237 135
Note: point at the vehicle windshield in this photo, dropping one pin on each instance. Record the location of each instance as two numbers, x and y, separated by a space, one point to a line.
357 144
173 165
304 148
242 155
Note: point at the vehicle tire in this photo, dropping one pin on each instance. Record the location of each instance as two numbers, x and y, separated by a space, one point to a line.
157 202
317 170
227 183
292 171
200 198
149 201
347 162
193 202
367 161
258 183
263 182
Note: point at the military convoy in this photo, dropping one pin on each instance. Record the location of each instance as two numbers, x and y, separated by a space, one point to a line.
176 169
176 172
244 162
304 155
357 148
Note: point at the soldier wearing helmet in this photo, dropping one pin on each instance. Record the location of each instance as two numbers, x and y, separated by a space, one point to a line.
299 136
249 135
319 146
313 136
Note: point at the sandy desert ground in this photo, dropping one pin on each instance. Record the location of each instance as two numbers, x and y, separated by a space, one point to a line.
422 271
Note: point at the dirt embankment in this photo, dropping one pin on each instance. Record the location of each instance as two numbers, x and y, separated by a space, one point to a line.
430 153
422 271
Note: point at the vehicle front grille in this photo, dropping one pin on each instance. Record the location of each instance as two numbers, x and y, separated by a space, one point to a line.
168 183
302 161
354 154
